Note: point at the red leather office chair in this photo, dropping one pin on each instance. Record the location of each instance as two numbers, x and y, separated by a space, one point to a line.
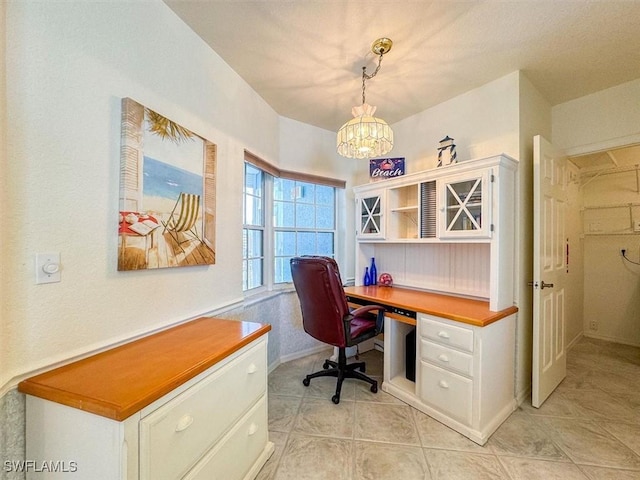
326 317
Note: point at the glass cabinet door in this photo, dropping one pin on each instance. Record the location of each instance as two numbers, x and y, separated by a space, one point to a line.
465 206
370 217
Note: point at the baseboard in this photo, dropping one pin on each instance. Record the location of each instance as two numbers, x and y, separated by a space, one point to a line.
303 353
612 339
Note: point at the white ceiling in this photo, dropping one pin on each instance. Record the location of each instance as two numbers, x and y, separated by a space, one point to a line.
305 57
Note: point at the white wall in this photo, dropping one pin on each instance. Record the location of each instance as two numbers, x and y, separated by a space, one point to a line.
612 285
68 66
534 118
3 181
483 122
602 117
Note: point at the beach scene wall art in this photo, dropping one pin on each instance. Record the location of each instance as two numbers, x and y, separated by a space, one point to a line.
166 214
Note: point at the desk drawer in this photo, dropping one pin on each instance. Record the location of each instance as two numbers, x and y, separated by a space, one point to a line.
446 357
448 392
238 451
446 334
176 435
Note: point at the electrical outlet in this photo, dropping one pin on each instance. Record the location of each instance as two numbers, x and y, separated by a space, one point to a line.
593 325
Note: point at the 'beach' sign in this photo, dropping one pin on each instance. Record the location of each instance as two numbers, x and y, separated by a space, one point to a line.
383 168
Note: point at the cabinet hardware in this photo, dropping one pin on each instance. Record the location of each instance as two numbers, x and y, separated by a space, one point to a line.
443 358
184 423
443 384
443 335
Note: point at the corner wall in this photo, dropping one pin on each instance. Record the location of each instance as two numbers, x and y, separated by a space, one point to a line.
534 119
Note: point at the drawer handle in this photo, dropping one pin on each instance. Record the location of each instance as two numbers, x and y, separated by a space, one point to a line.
184 423
253 428
252 368
443 384
443 334
443 358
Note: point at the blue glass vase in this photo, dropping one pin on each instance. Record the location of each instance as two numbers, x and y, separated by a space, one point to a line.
373 273
366 281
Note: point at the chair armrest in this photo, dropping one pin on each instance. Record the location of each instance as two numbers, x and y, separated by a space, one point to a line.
370 308
366 308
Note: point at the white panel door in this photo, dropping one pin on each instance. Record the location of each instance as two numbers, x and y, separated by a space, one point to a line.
549 269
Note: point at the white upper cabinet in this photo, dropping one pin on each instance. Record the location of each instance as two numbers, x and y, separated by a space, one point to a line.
464 205
446 204
370 215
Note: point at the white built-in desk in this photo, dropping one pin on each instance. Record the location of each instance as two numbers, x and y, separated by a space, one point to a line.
464 356
189 402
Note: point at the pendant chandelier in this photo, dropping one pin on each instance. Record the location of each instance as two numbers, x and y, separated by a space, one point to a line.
366 136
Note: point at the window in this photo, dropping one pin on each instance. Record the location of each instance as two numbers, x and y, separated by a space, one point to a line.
304 221
286 214
253 228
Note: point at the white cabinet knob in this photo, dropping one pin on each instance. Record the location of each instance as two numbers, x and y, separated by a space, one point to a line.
253 428
443 334
252 368
443 384
184 423
443 358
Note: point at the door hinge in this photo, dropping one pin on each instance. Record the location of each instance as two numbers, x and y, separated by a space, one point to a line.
491 227
493 178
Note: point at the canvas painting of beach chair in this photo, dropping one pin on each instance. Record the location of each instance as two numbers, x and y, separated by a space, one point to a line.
167 193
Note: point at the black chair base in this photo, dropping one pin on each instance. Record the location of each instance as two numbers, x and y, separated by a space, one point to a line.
342 370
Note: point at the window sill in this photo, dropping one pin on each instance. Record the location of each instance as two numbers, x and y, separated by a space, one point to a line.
259 297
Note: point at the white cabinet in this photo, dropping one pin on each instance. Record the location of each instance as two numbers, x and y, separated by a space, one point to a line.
449 229
464 373
177 434
464 205
370 215
211 426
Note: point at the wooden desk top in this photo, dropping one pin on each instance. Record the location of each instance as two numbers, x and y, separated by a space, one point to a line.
122 381
465 310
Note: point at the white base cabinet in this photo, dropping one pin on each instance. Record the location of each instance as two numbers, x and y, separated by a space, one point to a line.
212 427
464 374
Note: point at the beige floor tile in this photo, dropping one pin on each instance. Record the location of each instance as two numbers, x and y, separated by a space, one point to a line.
282 412
626 433
318 416
389 462
434 434
532 469
325 387
315 458
364 394
385 423
588 428
597 404
520 435
586 443
448 465
602 473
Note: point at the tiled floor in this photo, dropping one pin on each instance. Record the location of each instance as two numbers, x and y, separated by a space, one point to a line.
588 429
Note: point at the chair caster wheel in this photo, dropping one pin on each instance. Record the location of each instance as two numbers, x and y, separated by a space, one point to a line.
335 399
374 389
306 382
326 365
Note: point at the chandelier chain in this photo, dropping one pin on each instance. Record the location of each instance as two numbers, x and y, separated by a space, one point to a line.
366 76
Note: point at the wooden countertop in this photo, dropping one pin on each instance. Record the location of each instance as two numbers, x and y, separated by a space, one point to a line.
465 310
123 380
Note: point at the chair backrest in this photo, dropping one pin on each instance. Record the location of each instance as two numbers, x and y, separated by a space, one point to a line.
189 209
322 298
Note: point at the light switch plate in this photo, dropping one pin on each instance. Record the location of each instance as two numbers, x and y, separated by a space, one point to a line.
48 267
